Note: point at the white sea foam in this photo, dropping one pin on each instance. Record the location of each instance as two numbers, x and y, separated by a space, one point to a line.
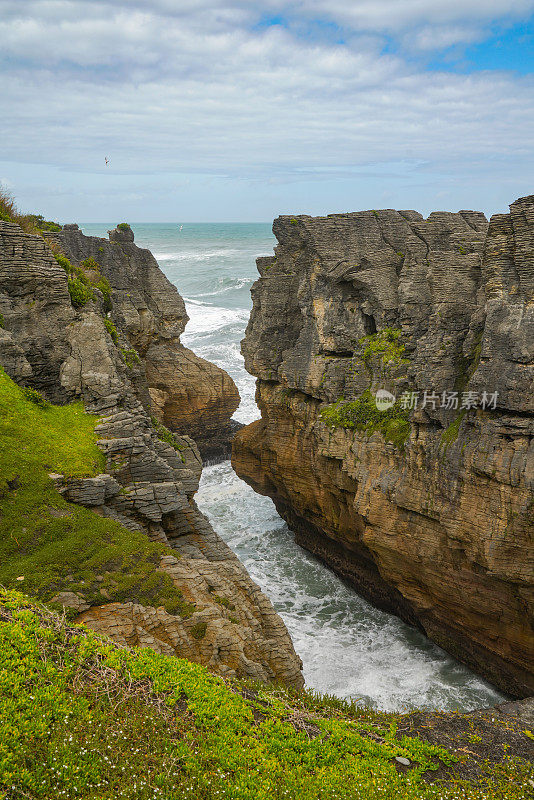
205 319
348 647
195 255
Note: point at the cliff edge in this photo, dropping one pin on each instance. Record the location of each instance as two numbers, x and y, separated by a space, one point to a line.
186 393
425 505
141 563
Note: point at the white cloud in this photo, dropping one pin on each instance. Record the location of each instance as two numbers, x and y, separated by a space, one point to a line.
199 89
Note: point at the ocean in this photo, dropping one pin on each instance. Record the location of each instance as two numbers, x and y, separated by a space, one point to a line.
349 649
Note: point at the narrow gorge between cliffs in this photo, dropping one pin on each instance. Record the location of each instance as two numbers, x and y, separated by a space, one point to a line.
348 647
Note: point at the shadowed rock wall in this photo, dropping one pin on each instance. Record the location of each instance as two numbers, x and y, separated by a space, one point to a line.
437 524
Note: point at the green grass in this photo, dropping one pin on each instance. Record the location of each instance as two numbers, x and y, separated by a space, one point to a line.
123 226
55 545
83 718
167 436
363 415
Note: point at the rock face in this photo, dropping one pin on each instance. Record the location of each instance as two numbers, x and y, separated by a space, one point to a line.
432 515
149 483
186 393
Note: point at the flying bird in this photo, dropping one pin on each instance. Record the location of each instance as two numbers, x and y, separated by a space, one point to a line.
106 160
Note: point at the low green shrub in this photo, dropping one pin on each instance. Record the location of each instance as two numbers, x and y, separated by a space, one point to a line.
30 223
130 357
198 631
80 292
84 718
385 346
64 262
123 226
363 415
81 286
105 287
43 224
90 263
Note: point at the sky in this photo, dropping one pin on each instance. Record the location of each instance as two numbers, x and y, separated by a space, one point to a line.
226 110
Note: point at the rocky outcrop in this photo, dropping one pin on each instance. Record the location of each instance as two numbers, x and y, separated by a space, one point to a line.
186 393
427 511
149 482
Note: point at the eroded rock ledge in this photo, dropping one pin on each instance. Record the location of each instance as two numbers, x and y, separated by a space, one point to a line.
434 522
149 483
187 394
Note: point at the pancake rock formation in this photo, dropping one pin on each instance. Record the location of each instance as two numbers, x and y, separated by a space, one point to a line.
186 393
426 505
69 351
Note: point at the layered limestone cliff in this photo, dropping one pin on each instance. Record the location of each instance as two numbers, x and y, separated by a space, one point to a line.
67 350
427 511
186 393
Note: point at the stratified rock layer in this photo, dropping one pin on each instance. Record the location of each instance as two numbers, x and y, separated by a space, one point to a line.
149 484
438 529
186 393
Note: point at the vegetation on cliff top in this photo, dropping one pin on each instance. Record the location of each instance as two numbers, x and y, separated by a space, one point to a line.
30 223
48 545
84 718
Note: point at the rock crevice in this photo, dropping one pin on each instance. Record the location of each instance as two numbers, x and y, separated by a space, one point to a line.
149 482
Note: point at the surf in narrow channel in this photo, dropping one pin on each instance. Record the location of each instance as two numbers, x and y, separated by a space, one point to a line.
348 647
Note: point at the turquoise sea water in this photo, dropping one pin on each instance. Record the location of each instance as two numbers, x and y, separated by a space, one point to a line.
348 647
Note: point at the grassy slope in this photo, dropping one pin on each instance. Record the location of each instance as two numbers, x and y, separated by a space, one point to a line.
54 544
83 718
